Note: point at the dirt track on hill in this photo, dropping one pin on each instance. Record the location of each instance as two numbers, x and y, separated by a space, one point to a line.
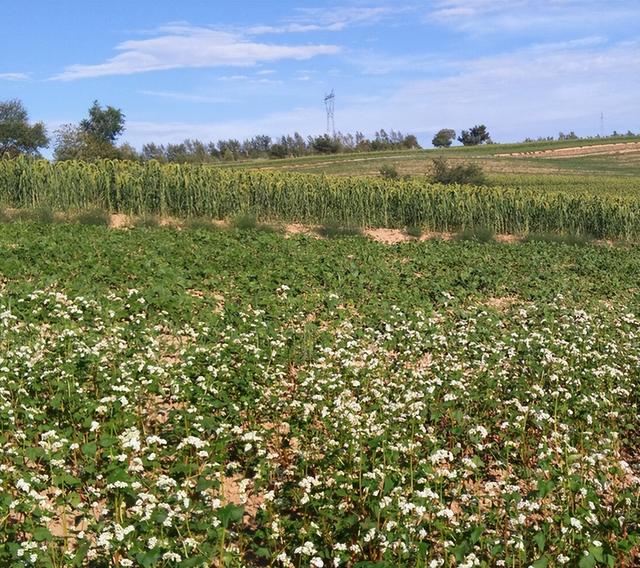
579 151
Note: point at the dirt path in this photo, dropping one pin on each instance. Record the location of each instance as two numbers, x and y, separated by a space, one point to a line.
595 150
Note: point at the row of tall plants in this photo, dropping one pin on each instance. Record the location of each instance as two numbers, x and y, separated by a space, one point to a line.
199 191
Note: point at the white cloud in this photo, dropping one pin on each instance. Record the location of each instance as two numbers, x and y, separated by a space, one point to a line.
531 92
14 76
183 46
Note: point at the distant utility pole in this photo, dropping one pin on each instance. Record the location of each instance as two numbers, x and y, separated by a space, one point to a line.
602 124
329 103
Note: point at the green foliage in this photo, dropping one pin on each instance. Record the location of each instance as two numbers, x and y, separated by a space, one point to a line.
475 136
94 138
43 215
414 231
98 217
333 228
479 235
387 171
103 125
567 239
17 135
179 379
244 222
147 221
444 138
187 191
201 223
326 144
471 174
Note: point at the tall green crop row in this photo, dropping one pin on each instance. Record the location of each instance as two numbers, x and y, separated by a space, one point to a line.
192 191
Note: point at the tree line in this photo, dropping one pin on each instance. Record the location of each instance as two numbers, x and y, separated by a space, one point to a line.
95 137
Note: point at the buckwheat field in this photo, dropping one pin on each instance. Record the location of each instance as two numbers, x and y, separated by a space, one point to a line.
238 398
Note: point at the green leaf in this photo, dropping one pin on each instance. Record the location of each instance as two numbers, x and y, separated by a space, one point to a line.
42 533
542 562
230 514
541 540
89 449
588 561
597 552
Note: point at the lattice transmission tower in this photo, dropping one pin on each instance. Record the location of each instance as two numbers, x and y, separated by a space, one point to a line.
329 103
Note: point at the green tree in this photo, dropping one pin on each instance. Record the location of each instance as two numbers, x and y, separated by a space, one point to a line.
475 136
325 144
73 143
104 125
17 135
444 138
94 138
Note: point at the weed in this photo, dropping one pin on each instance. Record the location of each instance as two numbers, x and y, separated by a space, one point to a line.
479 235
97 217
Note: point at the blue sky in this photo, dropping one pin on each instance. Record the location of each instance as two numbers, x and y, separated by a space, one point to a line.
211 69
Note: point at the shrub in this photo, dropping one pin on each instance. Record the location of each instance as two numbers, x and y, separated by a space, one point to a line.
201 223
470 174
478 235
43 215
244 222
414 231
98 217
333 229
389 172
147 222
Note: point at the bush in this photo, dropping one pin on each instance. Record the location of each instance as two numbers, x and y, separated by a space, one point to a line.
389 172
201 223
147 222
479 235
98 217
333 229
414 231
244 222
43 215
470 174
248 222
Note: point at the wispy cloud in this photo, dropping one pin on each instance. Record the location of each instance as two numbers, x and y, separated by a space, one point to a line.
183 46
186 97
14 76
330 19
491 16
340 17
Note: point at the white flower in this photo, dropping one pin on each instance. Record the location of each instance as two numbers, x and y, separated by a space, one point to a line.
316 562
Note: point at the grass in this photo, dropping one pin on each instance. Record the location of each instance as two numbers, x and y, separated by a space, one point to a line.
479 235
98 217
333 229
201 223
246 222
569 239
146 221
274 397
